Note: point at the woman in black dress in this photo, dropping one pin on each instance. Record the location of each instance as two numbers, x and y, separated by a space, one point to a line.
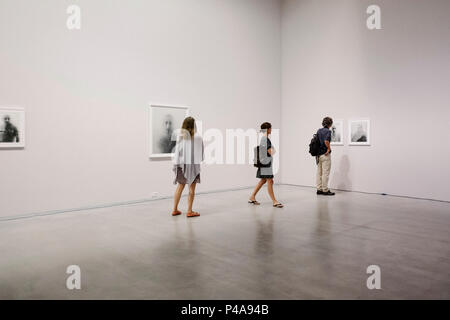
265 174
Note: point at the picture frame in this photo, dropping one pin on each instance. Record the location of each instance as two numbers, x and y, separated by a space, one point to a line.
12 127
359 132
337 133
164 120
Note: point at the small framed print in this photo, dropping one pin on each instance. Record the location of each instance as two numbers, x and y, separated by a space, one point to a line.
359 132
337 133
164 121
12 127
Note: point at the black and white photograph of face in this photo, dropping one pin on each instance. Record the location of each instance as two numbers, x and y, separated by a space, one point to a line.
337 133
165 121
12 130
359 132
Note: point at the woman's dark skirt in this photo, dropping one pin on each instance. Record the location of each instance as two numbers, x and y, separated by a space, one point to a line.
179 178
265 173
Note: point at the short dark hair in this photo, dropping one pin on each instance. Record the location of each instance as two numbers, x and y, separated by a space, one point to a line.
327 121
265 126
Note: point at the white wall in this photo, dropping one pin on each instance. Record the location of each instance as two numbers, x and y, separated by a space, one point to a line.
86 92
399 77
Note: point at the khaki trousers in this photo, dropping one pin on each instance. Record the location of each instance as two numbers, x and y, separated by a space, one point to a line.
323 172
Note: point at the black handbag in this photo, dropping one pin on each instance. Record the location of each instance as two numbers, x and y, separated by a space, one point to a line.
259 161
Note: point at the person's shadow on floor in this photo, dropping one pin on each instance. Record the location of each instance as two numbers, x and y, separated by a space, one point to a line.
341 176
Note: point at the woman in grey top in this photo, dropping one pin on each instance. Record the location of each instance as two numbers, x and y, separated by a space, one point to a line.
265 174
187 159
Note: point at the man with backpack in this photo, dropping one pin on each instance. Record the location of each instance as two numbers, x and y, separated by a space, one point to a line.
323 157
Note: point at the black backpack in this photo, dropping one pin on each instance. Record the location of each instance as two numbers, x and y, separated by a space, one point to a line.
314 146
265 162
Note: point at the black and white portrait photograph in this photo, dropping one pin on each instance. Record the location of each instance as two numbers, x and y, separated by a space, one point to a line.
337 133
164 122
359 132
12 127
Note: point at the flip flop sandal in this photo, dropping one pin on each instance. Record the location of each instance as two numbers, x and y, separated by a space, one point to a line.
278 205
176 213
193 214
256 203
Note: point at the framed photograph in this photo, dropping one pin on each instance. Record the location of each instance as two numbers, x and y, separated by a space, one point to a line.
359 132
337 133
164 121
12 127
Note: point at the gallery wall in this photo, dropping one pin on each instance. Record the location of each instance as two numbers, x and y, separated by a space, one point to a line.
86 92
399 77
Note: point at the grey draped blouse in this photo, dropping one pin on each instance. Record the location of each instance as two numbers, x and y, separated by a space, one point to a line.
189 153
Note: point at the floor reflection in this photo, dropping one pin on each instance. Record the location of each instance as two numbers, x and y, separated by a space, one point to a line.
178 262
264 249
323 232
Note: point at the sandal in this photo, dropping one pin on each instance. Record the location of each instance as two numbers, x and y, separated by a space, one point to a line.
176 213
193 214
256 203
278 205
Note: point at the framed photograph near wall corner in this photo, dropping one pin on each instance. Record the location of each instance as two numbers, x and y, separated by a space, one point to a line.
337 133
359 132
164 120
12 127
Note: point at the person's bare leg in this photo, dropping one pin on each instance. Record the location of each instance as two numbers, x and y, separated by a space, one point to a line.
270 191
257 188
177 197
191 197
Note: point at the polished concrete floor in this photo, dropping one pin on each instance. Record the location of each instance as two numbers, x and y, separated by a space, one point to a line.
315 248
